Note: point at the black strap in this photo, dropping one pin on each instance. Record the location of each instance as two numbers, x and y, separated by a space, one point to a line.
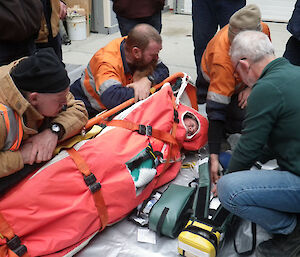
249 252
161 220
220 216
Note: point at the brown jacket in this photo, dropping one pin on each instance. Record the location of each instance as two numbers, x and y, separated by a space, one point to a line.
44 32
73 119
20 19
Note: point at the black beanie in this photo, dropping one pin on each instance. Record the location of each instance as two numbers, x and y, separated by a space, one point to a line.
41 72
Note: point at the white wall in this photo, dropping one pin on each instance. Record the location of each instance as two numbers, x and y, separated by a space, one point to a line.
275 10
272 10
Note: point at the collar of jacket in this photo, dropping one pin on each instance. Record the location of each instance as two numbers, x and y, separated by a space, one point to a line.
11 96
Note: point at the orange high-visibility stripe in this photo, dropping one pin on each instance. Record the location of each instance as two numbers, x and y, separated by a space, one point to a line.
6 119
98 197
18 141
19 136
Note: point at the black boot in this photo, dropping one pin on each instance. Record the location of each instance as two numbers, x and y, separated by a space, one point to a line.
281 245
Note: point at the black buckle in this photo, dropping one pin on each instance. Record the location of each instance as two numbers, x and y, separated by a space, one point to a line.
145 130
176 116
14 244
90 181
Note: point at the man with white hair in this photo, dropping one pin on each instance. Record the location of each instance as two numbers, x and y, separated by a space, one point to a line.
270 198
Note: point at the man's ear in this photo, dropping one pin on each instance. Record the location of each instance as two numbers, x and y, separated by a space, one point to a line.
136 52
245 65
33 98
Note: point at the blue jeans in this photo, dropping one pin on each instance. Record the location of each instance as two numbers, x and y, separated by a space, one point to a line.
269 198
207 16
125 25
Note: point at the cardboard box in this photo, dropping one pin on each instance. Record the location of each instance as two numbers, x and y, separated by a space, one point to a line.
85 4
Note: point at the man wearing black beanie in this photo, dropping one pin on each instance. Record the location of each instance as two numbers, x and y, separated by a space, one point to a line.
36 111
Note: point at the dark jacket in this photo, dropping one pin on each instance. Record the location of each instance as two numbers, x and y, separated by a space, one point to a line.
19 19
132 9
294 22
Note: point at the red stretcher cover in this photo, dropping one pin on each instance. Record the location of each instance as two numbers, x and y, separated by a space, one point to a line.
53 211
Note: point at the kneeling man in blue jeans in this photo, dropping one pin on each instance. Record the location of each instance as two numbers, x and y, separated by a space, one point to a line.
270 198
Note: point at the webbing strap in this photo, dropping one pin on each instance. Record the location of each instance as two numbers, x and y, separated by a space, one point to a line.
7 232
97 194
158 134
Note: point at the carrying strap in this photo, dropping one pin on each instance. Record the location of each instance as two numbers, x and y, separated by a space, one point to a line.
251 251
161 220
94 186
144 130
13 246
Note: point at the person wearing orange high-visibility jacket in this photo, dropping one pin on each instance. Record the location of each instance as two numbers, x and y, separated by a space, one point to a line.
125 68
36 112
221 88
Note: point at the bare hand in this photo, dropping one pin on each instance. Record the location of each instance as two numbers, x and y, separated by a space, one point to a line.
243 96
141 88
63 10
42 147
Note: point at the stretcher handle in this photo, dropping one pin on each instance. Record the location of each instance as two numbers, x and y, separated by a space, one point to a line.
96 120
168 79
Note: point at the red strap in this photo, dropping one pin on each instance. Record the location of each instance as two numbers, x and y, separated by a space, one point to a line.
98 196
7 232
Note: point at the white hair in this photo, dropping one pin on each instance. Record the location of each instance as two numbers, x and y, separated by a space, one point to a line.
252 45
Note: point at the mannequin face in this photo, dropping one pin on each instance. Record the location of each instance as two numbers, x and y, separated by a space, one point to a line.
49 104
191 126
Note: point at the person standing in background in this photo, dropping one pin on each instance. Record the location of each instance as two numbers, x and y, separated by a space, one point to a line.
20 22
292 50
132 12
208 16
54 10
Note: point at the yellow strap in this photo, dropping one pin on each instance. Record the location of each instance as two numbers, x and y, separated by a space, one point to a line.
95 130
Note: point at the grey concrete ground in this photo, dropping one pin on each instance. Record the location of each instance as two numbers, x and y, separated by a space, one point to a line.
177 52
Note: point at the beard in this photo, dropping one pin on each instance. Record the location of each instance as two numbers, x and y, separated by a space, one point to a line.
140 65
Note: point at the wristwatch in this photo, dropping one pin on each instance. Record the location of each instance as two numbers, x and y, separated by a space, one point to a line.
57 129
151 78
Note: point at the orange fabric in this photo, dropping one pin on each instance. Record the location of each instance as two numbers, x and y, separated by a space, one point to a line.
98 119
98 197
158 134
7 232
217 66
64 214
106 64
19 137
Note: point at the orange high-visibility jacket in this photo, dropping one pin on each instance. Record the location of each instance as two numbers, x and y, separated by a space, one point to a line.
217 68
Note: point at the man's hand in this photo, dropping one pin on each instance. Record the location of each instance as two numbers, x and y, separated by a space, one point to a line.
39 148
141 88
214 171
62 10
243 96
